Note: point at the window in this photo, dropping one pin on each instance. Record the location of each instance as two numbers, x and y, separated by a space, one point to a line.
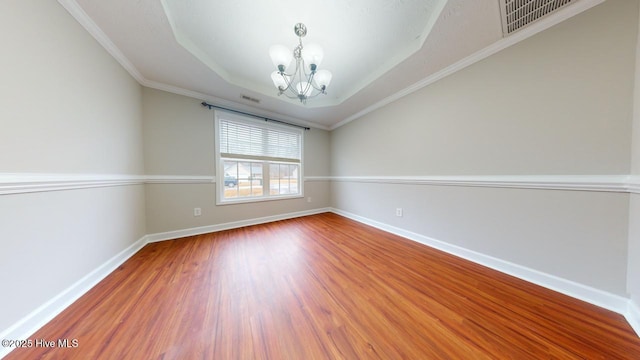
256 160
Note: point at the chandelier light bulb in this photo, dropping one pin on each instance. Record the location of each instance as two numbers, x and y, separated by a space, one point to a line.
280 55
312 54
278 80
323 78
304 88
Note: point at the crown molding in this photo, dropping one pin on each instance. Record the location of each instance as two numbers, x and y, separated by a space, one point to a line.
94 30
81 16
227 103
523 34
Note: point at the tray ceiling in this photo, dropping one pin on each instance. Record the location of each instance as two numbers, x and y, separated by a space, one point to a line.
219 50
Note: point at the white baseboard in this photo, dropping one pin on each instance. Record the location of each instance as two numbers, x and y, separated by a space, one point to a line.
29 324
170 235
633 316
576 290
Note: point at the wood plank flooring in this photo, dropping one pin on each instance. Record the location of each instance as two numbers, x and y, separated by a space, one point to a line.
323 287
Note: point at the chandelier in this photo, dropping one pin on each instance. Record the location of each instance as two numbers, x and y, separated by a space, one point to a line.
305 81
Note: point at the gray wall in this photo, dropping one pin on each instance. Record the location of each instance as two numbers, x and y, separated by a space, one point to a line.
66 107
179 141
558 103
633 278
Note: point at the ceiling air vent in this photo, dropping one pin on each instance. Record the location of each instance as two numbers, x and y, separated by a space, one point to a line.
249 98
517 14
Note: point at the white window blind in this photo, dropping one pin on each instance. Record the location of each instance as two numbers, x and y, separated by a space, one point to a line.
256 161
247 141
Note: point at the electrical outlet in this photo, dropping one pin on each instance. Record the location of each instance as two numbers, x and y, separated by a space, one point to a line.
399 212
197 211
309 199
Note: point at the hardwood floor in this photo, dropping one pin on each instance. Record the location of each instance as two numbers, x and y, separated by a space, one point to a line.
323 287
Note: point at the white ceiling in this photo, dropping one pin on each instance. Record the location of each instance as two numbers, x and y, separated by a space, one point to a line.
218 50
363 39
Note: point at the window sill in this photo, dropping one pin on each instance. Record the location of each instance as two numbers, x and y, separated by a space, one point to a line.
258 199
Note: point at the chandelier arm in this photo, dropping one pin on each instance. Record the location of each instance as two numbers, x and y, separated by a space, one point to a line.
287 79
306 88
289 88
310 76
307 75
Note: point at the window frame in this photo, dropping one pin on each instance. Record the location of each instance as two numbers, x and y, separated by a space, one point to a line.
219 160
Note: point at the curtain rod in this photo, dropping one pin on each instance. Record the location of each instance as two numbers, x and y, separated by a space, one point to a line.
204 103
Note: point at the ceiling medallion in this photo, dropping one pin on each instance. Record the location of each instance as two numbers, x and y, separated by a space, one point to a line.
305 81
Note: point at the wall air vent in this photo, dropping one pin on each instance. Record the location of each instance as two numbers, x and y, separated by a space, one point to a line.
249 98
517 14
